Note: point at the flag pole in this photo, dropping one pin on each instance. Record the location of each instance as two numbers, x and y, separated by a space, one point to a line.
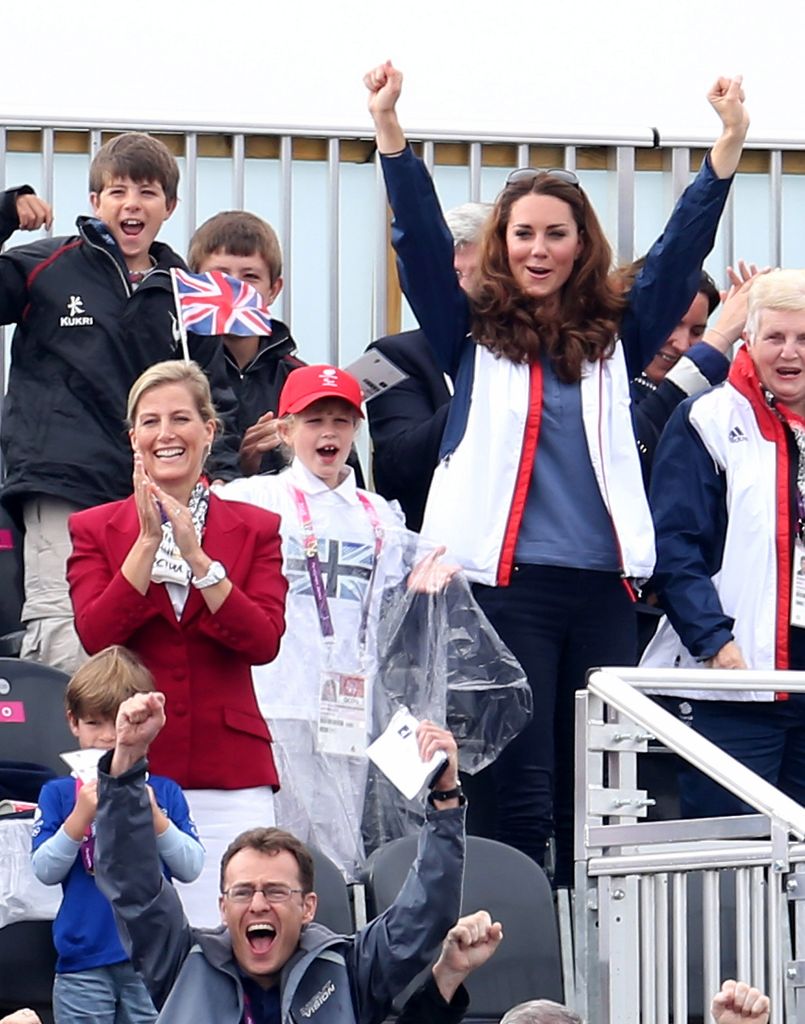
179 317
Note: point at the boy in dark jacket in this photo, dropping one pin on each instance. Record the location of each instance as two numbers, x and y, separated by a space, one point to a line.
246 247
92 311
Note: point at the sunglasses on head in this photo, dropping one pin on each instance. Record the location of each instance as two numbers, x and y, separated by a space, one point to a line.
524 174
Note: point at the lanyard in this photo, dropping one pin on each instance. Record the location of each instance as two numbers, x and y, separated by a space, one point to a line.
248 1016
311 546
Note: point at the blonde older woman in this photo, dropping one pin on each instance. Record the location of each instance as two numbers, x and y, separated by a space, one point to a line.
728 496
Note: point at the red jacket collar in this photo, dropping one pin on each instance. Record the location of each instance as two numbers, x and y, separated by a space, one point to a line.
744 378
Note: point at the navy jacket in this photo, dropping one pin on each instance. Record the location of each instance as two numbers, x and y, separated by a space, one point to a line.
406 423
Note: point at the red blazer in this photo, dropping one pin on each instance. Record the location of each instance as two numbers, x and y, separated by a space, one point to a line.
215 736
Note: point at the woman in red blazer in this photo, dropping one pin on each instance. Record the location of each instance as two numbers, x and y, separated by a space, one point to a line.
194 586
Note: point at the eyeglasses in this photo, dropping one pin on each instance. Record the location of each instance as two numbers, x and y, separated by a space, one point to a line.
271 893
531 173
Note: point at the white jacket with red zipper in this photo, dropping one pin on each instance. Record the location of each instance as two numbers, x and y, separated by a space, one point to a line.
479 489
721 494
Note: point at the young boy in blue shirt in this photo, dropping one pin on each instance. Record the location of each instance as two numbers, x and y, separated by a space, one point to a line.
95 982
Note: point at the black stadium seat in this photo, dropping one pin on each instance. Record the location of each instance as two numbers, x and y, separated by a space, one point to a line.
516 892
33 727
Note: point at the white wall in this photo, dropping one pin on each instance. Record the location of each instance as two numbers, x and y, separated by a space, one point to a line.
532 66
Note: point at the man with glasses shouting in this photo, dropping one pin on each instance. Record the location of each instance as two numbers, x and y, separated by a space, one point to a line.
269 962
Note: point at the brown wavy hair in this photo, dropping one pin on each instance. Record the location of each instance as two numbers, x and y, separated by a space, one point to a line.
518 327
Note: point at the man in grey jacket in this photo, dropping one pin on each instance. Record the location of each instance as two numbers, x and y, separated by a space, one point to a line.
269 961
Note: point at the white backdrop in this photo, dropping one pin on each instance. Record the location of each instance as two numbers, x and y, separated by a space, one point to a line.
550 66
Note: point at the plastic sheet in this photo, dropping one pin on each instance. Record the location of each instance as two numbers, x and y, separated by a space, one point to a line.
435 653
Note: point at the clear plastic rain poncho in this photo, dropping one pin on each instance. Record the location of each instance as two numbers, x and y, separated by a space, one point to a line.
360 642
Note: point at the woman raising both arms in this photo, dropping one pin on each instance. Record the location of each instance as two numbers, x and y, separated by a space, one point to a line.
538 443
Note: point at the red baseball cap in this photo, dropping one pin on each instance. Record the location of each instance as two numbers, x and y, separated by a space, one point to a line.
308 384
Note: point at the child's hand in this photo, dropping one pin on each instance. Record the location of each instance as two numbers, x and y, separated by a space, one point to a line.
33 213
430 576
83 814
262 436
161 822
87 800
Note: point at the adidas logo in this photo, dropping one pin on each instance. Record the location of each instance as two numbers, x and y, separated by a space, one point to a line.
736 434
76 317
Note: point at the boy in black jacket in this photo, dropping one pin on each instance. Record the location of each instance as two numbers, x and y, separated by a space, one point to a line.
92 311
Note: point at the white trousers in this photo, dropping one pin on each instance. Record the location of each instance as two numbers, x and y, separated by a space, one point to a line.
220 815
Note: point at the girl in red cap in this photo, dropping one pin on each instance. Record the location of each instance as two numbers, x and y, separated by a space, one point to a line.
343 548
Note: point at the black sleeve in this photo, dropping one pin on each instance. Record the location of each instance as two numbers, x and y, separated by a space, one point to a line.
406 423
427 1006
649 417
208 352
9 221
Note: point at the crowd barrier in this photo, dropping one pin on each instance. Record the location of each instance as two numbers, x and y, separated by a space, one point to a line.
666 910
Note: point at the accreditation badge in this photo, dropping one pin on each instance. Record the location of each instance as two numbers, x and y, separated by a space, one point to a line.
342 713
798 585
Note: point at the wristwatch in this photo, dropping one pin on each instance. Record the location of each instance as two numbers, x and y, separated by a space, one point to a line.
215 574
438 795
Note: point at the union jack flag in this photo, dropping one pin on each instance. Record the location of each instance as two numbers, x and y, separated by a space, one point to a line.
345 567
215 303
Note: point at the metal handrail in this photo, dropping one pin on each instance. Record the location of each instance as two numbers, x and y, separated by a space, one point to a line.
711 679
650 138
695 748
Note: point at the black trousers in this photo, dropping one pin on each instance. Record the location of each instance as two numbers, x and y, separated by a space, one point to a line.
558 622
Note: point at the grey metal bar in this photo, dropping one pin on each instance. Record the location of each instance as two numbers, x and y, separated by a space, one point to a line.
48 169
523 155
190 182
710 679
286 220
748 826
238 171
624 167
711 938
743 924
758 900
775 907
333 246
570 158
776 208
661 947
683 857
642 139
380 325
679 976
95 142
564 914
476 153
799 937
428 156
727 231
647 924
619 952
680 170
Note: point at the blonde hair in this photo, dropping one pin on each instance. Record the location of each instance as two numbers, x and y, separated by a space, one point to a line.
289 420
781 290
101 685
173 371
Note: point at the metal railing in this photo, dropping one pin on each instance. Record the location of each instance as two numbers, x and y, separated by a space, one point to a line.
665 910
